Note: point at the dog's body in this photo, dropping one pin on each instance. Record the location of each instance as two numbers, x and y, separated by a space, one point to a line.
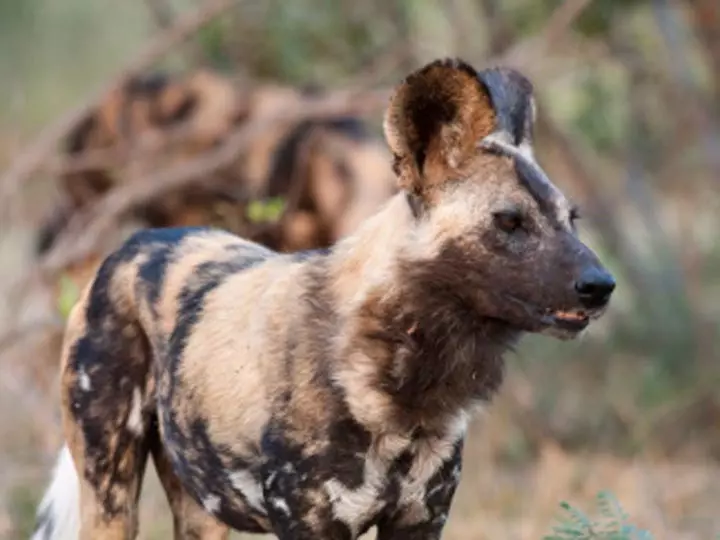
318 394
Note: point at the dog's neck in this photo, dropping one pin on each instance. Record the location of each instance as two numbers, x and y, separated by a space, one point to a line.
415 354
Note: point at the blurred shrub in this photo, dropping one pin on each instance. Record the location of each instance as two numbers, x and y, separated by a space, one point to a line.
611 523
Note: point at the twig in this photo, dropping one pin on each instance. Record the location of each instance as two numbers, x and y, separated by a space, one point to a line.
38 151
85 233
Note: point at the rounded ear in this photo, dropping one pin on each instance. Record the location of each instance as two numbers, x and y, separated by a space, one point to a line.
434 121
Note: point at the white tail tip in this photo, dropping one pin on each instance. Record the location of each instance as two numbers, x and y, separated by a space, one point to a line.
58 516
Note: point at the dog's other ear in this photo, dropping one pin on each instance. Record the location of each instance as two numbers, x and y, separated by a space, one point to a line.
434 122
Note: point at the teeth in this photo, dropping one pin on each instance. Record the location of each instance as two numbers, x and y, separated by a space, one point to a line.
570 315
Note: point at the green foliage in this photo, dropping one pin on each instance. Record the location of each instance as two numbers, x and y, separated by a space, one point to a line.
612 523
266 211
602 129
213 41
304 41
597 18
69 294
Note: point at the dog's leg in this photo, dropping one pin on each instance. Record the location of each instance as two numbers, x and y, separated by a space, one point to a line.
107 441
424 518
107 394
190 520
296 500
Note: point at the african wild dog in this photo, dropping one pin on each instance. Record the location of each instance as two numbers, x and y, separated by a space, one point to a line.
315 395
341 172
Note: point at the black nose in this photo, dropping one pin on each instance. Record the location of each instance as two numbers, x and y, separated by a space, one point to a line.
595 287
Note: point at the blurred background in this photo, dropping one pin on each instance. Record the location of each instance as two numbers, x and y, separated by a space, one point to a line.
264 118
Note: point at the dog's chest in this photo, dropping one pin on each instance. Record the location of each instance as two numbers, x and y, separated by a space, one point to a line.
398 478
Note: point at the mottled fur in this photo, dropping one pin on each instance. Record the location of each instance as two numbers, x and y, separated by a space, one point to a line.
315 395
341 173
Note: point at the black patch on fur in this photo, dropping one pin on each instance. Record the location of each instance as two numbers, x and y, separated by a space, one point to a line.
206 278
536 185
510 93
166 118
287 154
295 486
440 491
297 475
532 178
306 255
285 160
442 354
77 140
202 465
348 126
147 84
141 87
51 229
347 439
152 271
114 354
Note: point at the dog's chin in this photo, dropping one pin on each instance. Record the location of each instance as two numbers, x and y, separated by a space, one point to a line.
562 334
563 325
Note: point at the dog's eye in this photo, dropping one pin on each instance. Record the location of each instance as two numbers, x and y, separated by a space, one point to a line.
509 221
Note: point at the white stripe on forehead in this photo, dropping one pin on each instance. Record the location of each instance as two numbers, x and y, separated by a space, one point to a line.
500 142
525 143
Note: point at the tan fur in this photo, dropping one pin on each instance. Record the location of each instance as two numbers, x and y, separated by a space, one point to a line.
317 394
216 379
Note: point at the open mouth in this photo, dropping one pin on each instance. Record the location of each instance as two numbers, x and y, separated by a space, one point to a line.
568 320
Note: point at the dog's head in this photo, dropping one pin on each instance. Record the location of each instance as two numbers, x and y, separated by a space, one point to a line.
501 235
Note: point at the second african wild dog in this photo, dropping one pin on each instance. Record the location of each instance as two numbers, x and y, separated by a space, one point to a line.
319 394
332 170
